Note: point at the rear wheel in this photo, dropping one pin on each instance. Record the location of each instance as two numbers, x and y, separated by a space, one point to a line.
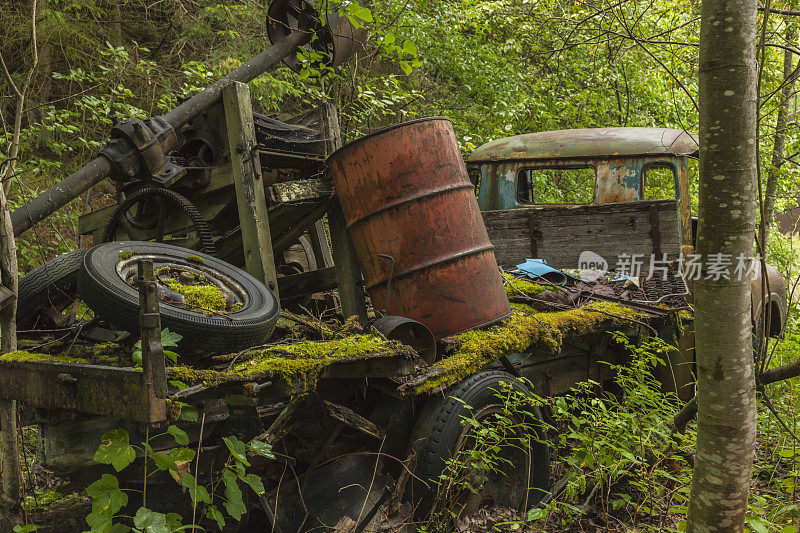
467 468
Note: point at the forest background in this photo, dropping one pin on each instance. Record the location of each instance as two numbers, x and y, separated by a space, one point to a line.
494 68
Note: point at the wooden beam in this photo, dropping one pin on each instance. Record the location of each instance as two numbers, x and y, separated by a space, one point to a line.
250 197
308 283
100 390
154 373
351 286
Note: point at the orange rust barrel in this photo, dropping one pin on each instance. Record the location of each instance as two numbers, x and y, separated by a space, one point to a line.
414 220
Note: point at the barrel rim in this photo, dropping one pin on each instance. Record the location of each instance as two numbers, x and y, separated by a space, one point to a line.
381 131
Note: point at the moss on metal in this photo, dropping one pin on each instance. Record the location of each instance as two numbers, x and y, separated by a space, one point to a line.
22 355
196 259
515 286
296 366
203 296
126 254
525 331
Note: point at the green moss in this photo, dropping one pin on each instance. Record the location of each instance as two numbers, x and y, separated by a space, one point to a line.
48 499
294 366
126 254
196 259
515 286
202 296
525 331
22 355
193 376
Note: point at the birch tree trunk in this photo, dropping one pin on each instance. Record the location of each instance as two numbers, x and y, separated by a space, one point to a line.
726 409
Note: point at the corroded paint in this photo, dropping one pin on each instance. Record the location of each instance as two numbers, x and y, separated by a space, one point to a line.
588 143
617 180
406 194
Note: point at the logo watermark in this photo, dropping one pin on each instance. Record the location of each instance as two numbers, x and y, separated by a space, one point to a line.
592 266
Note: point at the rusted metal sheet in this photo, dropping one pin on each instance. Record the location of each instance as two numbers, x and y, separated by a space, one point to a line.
588 143
415 223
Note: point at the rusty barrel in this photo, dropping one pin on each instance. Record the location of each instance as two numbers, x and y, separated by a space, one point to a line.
414 221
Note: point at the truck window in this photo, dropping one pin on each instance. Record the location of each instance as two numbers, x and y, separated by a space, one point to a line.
556 185
658 182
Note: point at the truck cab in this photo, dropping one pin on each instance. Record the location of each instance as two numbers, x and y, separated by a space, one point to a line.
588 172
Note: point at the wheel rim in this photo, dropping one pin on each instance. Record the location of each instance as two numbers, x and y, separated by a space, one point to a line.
171 268
506 484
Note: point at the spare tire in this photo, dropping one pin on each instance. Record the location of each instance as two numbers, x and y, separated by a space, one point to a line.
108 279
54 284
519 480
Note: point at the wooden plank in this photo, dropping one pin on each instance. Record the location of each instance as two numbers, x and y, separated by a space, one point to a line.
154 374
101 390
348 272
250 196
565 231
308 283
310 216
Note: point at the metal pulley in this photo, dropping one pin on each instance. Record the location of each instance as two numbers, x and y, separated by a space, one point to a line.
138 149
337 39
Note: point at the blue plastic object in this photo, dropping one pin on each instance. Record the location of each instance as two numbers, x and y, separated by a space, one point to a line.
538 268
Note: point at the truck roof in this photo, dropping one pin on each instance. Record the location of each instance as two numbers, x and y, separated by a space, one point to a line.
591 142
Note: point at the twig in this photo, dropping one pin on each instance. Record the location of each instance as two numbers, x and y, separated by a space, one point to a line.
196 470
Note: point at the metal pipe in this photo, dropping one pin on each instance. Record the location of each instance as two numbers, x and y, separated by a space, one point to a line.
57 196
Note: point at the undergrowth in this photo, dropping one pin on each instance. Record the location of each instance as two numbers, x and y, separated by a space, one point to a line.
617 463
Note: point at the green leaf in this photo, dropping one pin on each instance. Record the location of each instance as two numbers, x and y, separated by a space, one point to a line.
182 454
255 482
410 48
188 413
25 529
115 450
213 513
179 435
788 529
168 338
164 461
237 448
191 483
406 68
107 500
150 522
234 503
172 356
360 12
174 521
262 448
180 385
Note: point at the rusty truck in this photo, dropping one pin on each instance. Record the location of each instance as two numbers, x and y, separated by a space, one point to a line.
342 304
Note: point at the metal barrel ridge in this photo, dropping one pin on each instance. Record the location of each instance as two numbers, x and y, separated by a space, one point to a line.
414 220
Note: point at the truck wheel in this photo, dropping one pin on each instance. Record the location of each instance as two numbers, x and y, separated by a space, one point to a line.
246 317
520 474
53 284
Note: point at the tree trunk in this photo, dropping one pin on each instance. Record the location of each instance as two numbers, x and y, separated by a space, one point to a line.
11 478
780 135
726 408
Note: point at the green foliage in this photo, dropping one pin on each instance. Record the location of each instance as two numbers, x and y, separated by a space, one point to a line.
108 498
169 339
115 450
